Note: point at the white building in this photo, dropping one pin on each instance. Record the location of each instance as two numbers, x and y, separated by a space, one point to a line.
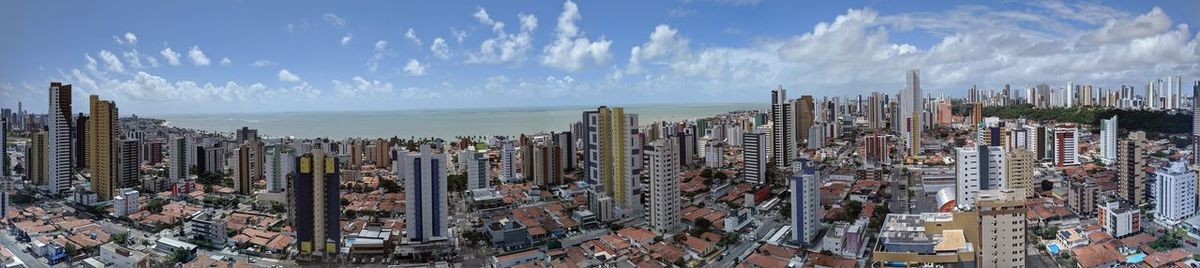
911 108
1108 140
206 225
754 157
508 154
280 161
816 136
125 202
426 210
115 255
1118 219
977 169
1174 193
806 202
714 154
60 133
1065 145
783 134
177 153
664 186
477 169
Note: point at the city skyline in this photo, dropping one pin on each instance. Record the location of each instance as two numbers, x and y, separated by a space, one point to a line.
459 55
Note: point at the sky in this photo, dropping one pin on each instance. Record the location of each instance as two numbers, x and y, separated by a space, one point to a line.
192 57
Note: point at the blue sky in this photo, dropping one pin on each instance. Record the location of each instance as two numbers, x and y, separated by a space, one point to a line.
271 56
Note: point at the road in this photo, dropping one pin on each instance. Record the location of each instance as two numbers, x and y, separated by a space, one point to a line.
12 246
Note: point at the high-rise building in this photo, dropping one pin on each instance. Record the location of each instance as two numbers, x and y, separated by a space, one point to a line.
875 117
245 133
714 154
783 131
1118 218
611 154
805 116
911 108
1174 193
804 184
426 208
876 148
1002 228
249 158
79 145
1108 140
37 159
1131 178
59 122
976 113
102 148
278 163
816 136
1196 123
664 186
4 148
178 170
1019 167
317 208
754 157
477 169
978 168
128 172
508 154
1065 149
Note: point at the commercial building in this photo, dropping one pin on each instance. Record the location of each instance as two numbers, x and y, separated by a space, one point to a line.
115 255
804 184
59 152
1174 193
426 211
942 239
317 206
978 168
664 186
754 157
1001 228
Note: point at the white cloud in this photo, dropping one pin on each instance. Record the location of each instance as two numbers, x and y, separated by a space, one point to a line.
504 47
738 2
381 51
664 44
197 56
414 68
286 76
571 49
291 27
411 35
458 34
111 61
346 39
1145 25
131 38
334 20
440 49
261 63
362 87
226 62
171 56
134 59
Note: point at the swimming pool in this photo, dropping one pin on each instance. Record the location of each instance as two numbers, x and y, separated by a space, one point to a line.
1135 258
1052 248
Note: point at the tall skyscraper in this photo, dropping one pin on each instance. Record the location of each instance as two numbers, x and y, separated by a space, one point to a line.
508 162
59 121
1019 166
806 115
1131 178
1175 192
1108 140
783 132
754 156
128 173
37 159
804 184
102 148
245 133
4 148
664 186
249 157
875 117
178 170
911 108
426 208
279 162
79 141
978 168
1196 123
1002 228
611 154
317 210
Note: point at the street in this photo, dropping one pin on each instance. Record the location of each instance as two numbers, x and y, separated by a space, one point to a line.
11 245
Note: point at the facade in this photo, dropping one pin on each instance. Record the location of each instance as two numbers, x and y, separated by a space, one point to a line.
816 136
1065 146
508 161
783 131
1174 193
125 202
477 169
714 155
128 171
875 148
4 147
1108 140
37 157
249 158
102 148
1131 178
278 163
317 207
1119 219
754 157
178 169
806 202
1082 197
1019 165
612 155
805 117
426 199
977 169
59 139
1001 228
206 225
664 186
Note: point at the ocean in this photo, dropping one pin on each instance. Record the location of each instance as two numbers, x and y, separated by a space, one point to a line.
440 123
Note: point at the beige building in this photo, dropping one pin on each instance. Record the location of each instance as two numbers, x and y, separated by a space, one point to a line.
102 147
1002 228
1019 168
36 159
943 239
1131 179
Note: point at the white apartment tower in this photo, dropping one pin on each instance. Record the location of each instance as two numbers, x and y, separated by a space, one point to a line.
426 211
783 134
804 184
59 122
477 169
977 169
508 169
911 109
754 156
1175 193
1108 140
664 186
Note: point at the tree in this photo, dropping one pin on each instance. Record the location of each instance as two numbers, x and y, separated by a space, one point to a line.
1047 185
707 173
120 238
154 205
679 238
721 176
389 186
554 244
703 224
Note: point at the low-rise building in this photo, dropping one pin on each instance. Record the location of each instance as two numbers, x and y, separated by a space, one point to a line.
946 239
208 227
115 255
1119 219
